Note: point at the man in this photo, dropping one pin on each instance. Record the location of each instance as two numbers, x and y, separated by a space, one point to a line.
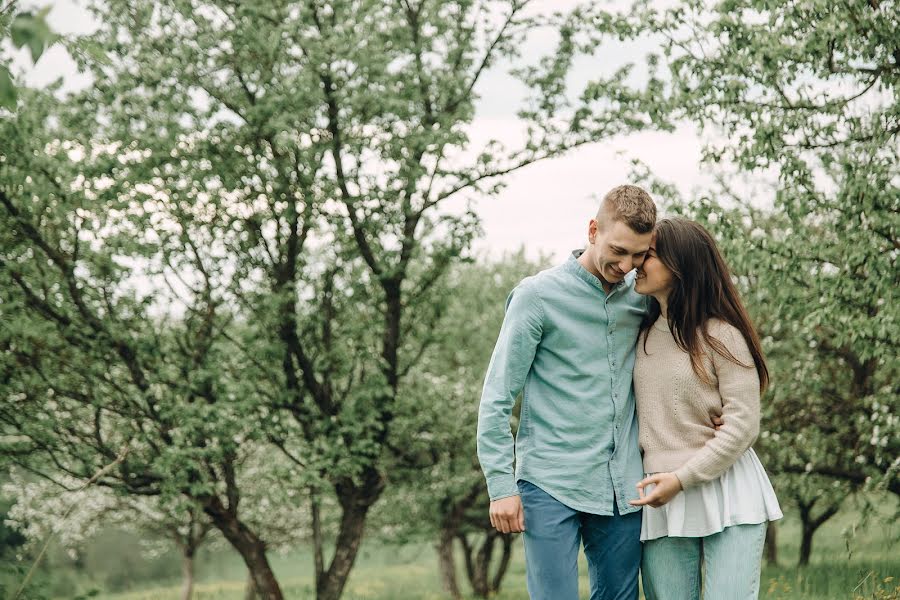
568 340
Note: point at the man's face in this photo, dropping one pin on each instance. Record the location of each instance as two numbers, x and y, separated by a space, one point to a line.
616 250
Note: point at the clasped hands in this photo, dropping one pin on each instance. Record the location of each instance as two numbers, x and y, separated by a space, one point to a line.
667 484
507 515
667 487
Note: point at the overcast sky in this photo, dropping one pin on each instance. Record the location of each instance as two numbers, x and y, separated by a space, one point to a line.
545 207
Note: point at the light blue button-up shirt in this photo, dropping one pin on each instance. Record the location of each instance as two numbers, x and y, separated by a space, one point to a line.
570 346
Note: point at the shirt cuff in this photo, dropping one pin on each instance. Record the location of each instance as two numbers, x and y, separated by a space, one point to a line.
502 486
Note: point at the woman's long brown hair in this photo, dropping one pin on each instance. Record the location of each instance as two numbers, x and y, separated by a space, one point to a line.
701 290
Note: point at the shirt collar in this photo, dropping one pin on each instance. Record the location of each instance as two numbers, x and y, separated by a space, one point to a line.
573 266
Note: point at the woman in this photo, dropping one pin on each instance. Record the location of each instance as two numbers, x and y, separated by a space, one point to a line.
707 497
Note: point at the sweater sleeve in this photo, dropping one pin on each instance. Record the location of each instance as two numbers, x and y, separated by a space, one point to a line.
510 363
739 389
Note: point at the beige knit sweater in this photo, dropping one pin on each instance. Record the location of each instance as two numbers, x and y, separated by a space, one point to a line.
675 407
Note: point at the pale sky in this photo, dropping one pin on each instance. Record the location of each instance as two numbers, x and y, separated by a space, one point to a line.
545 207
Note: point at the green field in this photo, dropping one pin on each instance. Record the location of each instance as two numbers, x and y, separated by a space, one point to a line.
865 567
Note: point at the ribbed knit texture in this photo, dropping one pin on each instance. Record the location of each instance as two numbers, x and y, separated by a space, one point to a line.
675 407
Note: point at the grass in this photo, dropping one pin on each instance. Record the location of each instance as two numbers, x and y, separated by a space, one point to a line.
418 582
865 568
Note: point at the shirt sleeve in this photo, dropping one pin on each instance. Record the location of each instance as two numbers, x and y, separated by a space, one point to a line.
739 389
510 363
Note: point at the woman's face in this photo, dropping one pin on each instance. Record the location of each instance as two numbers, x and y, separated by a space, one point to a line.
653 277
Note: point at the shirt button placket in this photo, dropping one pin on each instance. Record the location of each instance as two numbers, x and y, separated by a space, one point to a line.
616 475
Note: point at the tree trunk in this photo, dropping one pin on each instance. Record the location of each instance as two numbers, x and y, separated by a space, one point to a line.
318 542
467 556
480 584
771 548
355 501
478 564
188 543
447 564
806 544
251 548
187 575
453 513
249 589
507 540
810 525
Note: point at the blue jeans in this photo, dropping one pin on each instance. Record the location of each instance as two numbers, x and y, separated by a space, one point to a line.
553 534
731 560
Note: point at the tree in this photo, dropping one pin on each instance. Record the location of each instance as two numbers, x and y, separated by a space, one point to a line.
278 513
815 509
86 366
39 504
438 490
278 171
807 92
802 98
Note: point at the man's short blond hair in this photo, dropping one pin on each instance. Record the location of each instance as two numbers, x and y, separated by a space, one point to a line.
629 204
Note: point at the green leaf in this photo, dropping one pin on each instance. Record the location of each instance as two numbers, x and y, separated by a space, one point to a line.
32 31
21 30
8 94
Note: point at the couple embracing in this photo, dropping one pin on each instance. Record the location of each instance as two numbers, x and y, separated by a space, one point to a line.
641 376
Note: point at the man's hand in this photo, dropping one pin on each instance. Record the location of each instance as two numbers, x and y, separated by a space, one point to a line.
718 422
507 515
667 486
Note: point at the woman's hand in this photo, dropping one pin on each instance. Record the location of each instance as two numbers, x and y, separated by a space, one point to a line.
667 486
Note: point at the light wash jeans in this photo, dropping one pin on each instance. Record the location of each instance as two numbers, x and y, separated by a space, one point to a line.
553 534
731 560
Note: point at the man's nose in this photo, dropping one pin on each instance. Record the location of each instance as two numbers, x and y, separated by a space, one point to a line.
625 265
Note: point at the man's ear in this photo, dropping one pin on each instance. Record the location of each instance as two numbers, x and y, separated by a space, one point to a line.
592 231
